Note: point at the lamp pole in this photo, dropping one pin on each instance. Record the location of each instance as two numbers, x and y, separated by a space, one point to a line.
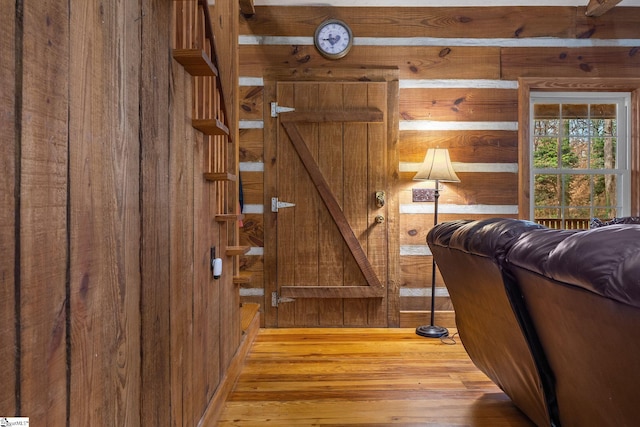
432 331
435 167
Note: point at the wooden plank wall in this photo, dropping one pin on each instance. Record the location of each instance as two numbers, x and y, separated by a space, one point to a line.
104 212
8 128
42 237
108 312
155 128
225 17
458 89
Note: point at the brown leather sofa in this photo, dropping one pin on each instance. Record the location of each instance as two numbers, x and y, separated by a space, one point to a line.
551 316
489 315
583 297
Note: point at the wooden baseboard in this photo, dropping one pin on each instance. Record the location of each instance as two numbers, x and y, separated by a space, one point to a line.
248 314
216 405
413 319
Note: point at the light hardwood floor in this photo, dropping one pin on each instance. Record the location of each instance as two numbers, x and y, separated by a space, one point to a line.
363 377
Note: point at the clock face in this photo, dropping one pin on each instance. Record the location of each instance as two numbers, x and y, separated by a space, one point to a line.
333 39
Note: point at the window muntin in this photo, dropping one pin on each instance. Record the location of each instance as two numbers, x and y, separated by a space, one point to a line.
579 157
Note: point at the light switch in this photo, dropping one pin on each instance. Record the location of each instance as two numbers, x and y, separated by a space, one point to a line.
424 195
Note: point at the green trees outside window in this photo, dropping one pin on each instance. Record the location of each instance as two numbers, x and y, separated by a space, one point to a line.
574 161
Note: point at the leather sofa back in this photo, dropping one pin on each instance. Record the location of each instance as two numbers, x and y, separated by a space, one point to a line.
497 337
582 292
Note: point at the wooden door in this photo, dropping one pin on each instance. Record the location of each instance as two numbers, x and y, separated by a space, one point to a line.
331 247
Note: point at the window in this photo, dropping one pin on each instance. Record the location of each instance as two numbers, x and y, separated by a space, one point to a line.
579 160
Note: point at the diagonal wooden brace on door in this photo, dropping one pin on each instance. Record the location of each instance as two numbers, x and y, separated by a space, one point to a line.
375 287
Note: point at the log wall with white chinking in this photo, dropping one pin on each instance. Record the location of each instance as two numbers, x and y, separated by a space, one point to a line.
459 70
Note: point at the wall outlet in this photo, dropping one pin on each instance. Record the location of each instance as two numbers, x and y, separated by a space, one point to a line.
424 194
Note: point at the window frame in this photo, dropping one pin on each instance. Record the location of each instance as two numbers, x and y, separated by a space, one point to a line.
526 85
623 167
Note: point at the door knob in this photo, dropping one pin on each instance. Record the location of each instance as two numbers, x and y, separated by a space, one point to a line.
380 198
379 219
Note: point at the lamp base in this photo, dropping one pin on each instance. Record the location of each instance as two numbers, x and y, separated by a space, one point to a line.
431 331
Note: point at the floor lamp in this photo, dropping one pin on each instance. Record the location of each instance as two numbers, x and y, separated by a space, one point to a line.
436 167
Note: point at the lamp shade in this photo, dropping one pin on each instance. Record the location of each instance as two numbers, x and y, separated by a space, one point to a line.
437 167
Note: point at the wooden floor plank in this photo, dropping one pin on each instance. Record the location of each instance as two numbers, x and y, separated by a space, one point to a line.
363 377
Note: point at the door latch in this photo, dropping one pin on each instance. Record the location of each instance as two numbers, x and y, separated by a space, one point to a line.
380 199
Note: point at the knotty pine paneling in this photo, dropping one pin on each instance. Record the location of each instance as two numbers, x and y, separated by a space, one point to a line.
253 264
441 304
466 146
416 281
8 197
618 23
584 62
416 272
251 98
463 104
251 144
477 188
467 22
480 22
253 187
411 318
252 230
43 182
414 62
497 188
415 227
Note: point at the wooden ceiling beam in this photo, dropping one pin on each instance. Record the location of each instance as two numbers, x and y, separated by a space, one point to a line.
600 7
247 8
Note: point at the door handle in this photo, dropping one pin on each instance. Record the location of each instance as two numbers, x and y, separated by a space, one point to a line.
380 198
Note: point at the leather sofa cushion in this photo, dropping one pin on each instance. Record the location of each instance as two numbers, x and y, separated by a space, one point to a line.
491 237
605 261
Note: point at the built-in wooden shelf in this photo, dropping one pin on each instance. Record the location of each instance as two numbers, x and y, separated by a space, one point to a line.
229 217
242 279
237 250
195 62
210 126
219 176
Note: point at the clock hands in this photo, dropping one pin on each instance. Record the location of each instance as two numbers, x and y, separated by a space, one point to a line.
332 39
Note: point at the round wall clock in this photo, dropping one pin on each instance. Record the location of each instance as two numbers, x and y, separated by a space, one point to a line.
333 39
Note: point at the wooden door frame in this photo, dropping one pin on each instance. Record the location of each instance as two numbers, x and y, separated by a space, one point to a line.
391 77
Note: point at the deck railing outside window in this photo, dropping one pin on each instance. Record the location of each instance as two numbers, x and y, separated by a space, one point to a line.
569 224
